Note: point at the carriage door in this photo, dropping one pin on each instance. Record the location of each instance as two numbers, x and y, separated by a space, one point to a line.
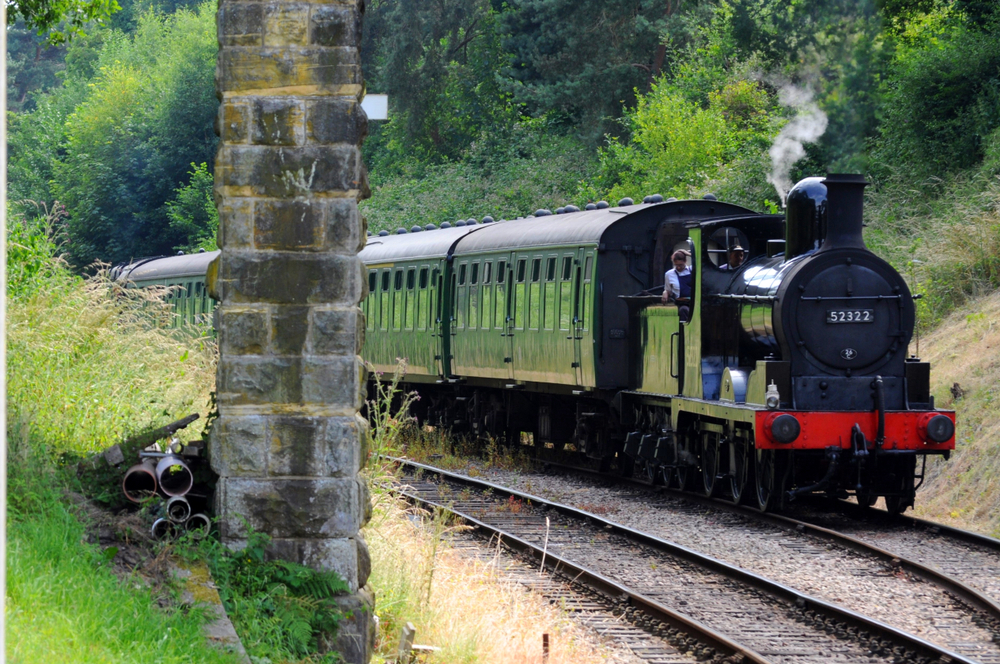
514 320
576 329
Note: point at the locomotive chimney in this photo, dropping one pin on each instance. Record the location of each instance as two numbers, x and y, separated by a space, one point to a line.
805 217
845 205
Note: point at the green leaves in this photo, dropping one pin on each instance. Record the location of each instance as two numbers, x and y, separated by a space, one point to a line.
47 15
280 608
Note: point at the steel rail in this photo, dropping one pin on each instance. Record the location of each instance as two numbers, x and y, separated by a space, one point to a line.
802 601
605 586
956 587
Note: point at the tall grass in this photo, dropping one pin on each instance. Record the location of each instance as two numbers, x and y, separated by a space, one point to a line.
85 368
943 235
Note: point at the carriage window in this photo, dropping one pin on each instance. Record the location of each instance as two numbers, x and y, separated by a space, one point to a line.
487 272
197 288
411 278
520 271
550 270
423 277
372 281
461 274
588 268
501 271
536 269
474 277
385 280
399 280
567 266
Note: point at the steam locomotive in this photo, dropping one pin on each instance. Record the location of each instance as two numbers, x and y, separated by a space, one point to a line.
790 376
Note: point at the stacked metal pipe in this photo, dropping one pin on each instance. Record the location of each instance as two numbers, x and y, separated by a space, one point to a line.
167 475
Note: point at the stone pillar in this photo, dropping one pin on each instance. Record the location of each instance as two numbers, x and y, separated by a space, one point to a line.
288 443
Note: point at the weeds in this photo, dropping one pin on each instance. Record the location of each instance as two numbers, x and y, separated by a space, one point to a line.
281 609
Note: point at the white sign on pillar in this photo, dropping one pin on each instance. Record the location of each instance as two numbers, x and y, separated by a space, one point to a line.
376 106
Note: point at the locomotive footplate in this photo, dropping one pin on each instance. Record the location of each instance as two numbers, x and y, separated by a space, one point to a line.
920 431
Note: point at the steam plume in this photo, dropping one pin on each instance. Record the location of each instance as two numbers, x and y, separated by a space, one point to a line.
807 126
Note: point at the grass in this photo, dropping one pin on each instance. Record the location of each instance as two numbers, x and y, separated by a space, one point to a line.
85 368
461 604
942 235
965 350
64 604
466 606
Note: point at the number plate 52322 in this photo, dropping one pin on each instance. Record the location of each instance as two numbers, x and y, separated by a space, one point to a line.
850 316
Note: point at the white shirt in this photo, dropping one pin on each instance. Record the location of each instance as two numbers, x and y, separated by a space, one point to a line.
672 282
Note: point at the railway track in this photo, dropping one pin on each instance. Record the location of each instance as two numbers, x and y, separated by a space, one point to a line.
960 570
665 586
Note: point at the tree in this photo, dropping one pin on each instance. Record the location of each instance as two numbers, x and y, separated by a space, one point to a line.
60 18
147 115
438 62
584 60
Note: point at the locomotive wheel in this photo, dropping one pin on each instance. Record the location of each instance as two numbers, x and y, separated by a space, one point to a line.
740 477
650 471
770 477
682 477
709 463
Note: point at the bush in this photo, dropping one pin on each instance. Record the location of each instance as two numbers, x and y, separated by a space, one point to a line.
942 100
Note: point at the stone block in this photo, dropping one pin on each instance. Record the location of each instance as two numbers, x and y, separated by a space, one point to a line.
314 447
335 331
278 121
243 331
256 380
290 508
288 172
331 380
355 640
343 231
240 24
286 24
284 225
235 222
364 560
333 25
338 120
296 69
234 122
289 328
238 446
337 555
290 278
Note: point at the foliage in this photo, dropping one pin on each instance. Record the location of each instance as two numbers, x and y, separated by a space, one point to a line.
678 147
942 100
33 65
280 608
535 166
60 18
438 63
584 61
132 136
85 368
31 252
192 211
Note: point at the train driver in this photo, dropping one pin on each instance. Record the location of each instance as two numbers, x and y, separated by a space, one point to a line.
679 285
734 258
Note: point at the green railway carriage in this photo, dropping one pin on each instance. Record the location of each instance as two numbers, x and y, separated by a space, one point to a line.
537 324
537 303
186 272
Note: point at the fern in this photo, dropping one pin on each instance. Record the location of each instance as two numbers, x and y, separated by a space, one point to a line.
282 607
